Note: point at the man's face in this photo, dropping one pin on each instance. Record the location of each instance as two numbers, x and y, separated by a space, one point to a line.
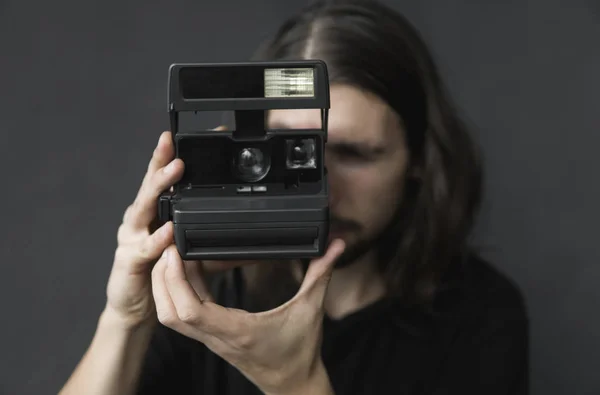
367 161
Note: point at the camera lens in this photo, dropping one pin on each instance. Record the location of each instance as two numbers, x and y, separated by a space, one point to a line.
251 164
301 154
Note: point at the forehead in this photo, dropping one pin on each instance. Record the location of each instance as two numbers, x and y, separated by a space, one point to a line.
354 116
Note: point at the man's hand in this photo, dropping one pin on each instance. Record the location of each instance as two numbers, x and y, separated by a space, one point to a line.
278 350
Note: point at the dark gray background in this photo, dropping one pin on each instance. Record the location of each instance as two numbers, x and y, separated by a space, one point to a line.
82 103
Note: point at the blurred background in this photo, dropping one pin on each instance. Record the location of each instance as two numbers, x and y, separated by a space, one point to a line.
83 101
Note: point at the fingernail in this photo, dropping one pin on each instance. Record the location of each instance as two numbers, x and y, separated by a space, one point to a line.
169 256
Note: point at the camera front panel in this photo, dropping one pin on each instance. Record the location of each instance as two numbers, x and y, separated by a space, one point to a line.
281 164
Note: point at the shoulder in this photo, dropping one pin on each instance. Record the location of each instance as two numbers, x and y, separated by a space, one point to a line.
491 301
484 317
493 287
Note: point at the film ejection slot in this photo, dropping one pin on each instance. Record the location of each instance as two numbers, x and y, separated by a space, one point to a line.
249 191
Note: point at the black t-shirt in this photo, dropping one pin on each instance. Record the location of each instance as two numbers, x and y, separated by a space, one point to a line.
476 342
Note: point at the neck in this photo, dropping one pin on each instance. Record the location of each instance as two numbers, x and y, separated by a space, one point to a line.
354 287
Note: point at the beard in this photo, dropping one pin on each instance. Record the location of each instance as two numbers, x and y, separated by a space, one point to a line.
383 243
277 277
355 250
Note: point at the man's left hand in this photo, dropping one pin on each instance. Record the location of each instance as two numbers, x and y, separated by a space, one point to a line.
278 350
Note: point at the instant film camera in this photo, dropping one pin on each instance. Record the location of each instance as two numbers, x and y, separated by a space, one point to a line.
251 192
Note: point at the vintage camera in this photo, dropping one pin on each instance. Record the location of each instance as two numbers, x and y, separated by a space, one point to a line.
250 192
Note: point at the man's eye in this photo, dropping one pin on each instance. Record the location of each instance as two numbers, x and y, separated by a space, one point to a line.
353 156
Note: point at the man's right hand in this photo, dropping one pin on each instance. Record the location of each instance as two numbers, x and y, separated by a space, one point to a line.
140 245
114 359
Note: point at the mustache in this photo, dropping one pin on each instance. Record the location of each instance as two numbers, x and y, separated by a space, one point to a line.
337 223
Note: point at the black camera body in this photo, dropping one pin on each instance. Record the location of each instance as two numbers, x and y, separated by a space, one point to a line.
250 192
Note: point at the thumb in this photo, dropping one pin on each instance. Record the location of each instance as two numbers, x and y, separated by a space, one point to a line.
319 272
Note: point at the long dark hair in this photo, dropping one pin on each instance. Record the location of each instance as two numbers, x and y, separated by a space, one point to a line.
373 47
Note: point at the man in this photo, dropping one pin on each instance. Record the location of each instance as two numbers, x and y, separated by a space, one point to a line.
399 303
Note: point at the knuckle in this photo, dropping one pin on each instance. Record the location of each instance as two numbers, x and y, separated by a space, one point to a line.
165 317
123 258
245 341
188 316
124 234
144 249
121 253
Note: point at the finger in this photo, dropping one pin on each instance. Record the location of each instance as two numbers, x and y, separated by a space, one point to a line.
194 272
210 318
165 310
139 256
145 207
162 155
140 214
185 299
151 247
319 272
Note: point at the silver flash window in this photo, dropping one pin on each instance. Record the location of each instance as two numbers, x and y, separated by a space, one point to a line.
290 82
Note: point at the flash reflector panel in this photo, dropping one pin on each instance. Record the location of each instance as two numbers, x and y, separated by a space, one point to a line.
248 86
290 82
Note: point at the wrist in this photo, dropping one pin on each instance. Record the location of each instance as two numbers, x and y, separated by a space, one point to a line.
117 321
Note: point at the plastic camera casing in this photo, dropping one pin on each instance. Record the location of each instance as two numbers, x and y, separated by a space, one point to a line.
217 216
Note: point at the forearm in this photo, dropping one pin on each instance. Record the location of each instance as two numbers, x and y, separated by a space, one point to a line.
113 362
